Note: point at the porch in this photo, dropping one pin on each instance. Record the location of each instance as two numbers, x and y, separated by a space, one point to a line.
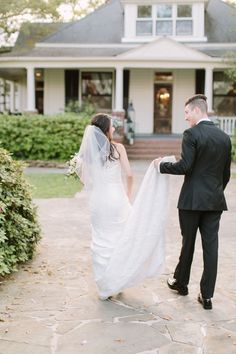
151 146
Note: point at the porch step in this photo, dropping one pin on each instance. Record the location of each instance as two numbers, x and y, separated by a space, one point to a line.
149 149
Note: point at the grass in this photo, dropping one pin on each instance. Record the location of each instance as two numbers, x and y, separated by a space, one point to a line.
53 185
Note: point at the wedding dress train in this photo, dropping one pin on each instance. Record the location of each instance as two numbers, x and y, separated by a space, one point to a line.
127 241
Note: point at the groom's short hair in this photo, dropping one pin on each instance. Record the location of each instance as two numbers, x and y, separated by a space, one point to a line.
199 101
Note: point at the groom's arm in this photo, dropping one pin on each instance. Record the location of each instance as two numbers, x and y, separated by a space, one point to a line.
188 154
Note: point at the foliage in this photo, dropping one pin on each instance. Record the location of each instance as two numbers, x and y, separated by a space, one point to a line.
53 185
38 137
77 107
230 59
19 230
15 12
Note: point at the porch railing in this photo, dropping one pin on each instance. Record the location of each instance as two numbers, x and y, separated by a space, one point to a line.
227 124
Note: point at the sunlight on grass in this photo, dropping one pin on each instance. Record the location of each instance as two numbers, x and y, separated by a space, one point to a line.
53 185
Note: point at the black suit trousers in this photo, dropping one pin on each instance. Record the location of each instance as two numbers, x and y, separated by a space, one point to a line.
208 224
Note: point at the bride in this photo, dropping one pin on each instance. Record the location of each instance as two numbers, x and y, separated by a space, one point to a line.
127 240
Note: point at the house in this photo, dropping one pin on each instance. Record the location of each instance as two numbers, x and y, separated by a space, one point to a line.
155 53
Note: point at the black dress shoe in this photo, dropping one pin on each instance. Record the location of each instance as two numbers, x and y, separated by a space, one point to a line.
174 285
206 303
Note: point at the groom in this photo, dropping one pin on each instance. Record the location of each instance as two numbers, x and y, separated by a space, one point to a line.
205 162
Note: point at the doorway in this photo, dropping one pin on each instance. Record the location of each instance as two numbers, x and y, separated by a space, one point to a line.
163 89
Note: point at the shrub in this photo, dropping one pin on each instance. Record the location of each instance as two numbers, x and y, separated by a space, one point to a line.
19 230
39 137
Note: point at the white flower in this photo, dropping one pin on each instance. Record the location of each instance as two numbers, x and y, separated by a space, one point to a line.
74 166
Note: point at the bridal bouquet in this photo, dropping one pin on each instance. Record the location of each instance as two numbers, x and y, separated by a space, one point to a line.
74 166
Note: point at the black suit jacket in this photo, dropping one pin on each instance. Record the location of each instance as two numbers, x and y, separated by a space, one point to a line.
205 162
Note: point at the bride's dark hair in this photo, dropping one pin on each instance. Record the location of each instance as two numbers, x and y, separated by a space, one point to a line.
103 122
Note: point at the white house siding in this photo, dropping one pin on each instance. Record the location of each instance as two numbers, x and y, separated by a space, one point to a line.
141 94
184 87
54 91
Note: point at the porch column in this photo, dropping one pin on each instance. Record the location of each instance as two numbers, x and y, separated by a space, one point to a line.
12 96
30 90
119 90
209 87
2 108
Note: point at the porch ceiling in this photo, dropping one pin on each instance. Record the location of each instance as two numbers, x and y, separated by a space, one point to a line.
12 73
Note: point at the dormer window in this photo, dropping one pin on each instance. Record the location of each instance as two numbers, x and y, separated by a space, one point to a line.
184 21
164 20
144 21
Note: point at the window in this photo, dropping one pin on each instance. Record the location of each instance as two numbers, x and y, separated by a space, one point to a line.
97 89
184 22
144 21
164 23
164 20
224 95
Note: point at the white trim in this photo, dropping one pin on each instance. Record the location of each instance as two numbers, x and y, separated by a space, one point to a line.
109 63
91 45
213 45
154 2
142 39
139 40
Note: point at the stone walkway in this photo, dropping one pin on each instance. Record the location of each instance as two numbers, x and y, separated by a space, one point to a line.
50 305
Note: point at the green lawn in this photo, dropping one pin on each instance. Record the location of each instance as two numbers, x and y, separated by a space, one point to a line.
53 185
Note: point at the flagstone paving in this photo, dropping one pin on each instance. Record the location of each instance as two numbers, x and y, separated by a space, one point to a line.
50 306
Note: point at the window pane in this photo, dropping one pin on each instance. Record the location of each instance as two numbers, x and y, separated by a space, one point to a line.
99 102
96 83
224 90
164 28
97 89
143 28
184 27
163 76
225 106
144 11
164 11
221 84
184 11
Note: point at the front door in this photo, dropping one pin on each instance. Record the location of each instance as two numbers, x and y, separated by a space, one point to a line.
162 108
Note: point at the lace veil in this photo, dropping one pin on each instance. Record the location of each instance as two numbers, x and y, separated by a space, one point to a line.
92 156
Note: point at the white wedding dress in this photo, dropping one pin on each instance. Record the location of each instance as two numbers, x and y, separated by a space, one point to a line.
127 241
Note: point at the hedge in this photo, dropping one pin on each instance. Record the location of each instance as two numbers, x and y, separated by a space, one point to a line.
19 229
39 137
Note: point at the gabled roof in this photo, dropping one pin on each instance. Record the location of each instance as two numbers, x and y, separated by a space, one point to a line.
163 49
104 25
